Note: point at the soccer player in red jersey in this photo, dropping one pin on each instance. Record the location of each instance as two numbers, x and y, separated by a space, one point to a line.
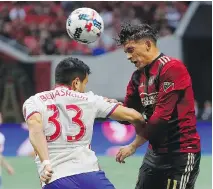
161 90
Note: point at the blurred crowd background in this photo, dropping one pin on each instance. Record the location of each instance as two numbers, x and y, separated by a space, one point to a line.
40 26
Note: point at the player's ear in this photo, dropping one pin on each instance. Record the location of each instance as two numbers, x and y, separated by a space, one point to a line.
148 45
76 84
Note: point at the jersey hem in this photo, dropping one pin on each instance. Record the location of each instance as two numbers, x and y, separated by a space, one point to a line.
113 109
34 112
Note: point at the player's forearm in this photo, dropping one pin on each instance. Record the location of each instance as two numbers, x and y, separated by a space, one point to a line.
139 141
5 164
139 126
39 143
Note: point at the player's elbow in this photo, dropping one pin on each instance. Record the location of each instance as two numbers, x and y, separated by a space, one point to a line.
127 114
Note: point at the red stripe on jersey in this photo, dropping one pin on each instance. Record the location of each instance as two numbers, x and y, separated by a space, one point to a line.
113 109
31 114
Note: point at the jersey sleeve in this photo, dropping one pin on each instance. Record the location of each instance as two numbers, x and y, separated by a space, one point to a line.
173 79
104 108
29 108
174 76
2 141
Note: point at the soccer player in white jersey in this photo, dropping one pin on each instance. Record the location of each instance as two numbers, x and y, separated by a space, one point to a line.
60 125
3 162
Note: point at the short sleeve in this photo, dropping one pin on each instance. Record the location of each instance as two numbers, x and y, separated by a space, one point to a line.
174 77
2 141
29 108
104 108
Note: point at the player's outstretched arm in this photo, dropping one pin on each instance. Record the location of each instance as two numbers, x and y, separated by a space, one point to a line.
122 113
119 113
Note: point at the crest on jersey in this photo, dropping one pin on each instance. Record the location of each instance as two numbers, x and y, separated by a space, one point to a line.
168 86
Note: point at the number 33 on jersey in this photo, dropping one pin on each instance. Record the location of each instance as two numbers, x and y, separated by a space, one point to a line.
68 116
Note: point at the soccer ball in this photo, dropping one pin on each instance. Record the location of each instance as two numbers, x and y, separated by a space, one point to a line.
84 25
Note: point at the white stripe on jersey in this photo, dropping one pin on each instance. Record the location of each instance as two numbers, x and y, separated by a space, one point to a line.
164 59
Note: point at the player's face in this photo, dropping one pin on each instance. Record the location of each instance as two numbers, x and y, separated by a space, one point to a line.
79 85
138 52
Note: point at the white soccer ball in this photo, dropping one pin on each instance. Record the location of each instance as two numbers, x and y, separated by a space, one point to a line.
84 25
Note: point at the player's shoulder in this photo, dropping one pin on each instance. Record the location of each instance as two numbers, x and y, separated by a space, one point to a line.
171 64
33 98
29 100
93 97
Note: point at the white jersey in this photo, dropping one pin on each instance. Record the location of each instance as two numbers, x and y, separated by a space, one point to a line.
68 119
2 141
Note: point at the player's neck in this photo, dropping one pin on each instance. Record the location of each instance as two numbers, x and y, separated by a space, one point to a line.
154 55
63 85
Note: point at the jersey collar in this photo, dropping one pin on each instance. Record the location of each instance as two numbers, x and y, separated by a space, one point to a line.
60 85
150 65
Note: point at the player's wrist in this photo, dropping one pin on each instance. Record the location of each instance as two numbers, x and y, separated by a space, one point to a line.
45 162
134 146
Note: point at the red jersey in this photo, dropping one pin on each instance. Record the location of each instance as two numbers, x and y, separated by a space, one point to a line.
163 92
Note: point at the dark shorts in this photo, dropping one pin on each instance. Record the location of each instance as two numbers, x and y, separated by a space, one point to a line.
91 180
181 174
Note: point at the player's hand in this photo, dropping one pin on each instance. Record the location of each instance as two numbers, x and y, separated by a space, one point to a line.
125 152
10 171
112 100
46 174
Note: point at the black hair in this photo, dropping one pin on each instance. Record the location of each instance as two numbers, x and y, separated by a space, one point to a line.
70 68
136 32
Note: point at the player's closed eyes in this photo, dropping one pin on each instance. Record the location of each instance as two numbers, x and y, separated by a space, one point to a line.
129 50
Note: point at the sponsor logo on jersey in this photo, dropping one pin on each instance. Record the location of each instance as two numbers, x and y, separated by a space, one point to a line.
149 99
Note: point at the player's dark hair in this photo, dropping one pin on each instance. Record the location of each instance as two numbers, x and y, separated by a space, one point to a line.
70 68
136 32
